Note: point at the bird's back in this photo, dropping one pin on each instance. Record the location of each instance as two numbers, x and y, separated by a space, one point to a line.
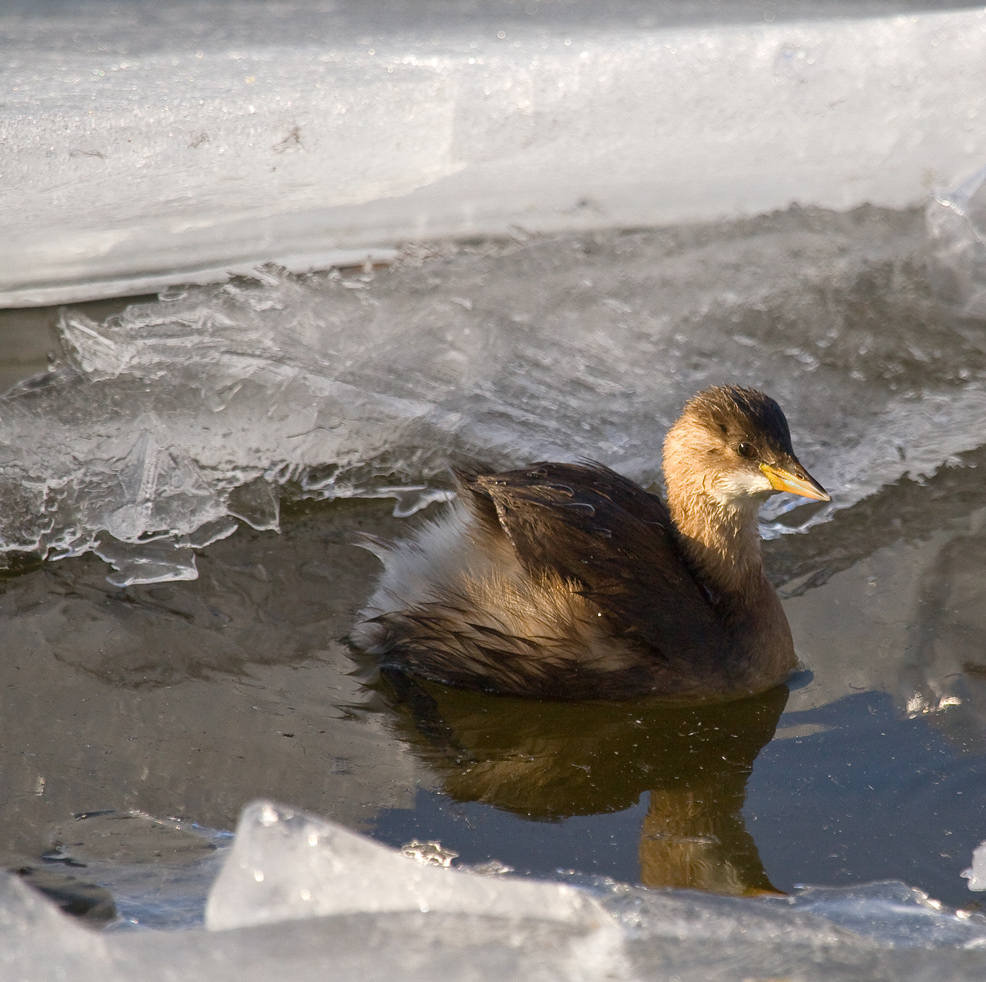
555 581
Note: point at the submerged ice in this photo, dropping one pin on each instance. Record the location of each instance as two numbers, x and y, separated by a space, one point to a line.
166 424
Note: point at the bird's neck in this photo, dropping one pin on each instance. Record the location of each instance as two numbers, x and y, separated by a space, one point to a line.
721 541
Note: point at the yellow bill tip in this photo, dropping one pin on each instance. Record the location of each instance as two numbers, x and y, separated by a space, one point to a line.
794 482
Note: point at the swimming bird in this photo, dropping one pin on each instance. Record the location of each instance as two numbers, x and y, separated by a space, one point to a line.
569 581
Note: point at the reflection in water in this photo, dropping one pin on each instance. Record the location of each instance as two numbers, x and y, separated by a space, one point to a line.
193 698
549 761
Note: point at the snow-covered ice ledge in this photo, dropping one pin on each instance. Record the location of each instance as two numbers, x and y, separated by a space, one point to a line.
146 143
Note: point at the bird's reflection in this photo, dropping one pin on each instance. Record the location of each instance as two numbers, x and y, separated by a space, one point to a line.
548 761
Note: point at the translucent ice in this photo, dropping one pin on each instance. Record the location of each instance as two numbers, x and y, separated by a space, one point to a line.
957 228
157 870
169 421
894 914
976 874
286 865
298 894
37 942
724 938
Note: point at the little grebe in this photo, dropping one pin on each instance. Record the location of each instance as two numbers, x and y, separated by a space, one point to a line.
568 581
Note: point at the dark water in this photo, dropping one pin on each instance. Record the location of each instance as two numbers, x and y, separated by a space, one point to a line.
871 796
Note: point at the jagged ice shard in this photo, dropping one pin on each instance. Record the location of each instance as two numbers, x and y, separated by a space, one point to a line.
298 894
168 422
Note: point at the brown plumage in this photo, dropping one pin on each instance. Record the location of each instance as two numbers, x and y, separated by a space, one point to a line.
568 581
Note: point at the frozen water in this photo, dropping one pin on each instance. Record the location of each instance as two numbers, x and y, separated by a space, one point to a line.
298 893
39 943
976 874
169 421
728 938
154 143
287 865
891 914
894 914
957 229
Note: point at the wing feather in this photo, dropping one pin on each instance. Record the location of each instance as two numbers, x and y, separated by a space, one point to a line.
613 541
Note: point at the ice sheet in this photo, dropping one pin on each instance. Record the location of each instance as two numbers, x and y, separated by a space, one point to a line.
289 865
712 938
38 943
168 422
149 143
894 914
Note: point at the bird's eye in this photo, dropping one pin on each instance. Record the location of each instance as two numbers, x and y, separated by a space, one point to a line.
747 450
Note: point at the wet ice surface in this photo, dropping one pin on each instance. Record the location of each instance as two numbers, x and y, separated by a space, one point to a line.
199 133
976 873
217 409
169 422
287 868
957 231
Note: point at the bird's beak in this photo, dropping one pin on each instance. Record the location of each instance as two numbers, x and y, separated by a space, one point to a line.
790 476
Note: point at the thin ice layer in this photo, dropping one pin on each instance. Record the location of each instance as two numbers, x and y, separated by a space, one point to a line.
177 415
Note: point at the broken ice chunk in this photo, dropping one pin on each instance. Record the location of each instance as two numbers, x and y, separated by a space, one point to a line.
145 562
893 914
93 348
37 941
956 222
286 865
412 498
257 503
976 874
428 853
